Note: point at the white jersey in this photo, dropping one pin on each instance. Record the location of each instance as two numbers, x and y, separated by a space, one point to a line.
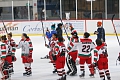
71 46
84 48
26 46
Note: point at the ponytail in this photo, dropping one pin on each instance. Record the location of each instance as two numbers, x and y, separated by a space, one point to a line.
25 35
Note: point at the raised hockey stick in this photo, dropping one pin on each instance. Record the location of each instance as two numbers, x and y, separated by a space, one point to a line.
4 25
43 27
63 26
102 28
115 29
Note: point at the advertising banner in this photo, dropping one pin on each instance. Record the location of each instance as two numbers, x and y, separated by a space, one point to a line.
35 27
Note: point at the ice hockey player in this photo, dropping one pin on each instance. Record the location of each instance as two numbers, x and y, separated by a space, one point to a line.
11 52
49 37
26 54
51 46
101 60
59 58
72 53
59 30
4 65
100 31
49 33
84 53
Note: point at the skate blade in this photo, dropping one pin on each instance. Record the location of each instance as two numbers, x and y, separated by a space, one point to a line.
29 75
82 77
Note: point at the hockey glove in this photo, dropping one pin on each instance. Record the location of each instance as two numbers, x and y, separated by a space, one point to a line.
95 32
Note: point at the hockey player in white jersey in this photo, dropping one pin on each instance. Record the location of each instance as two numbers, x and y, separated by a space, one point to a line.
72 54
27 49
84 54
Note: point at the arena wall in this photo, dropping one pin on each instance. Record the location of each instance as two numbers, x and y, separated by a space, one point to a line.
34 28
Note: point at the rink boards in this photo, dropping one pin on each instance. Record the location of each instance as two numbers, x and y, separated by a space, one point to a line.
35 27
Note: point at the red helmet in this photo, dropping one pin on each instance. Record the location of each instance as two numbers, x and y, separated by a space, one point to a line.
99 23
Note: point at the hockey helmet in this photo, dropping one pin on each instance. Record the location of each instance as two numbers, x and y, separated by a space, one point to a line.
74 33
99 23
60 24
86 35
53 27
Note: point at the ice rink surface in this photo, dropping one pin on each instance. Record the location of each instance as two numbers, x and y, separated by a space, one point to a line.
42 70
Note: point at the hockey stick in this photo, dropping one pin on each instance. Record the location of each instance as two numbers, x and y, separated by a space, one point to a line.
115 29
63 26
4 25
43 27
102 28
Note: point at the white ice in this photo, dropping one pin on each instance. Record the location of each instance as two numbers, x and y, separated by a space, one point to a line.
42 70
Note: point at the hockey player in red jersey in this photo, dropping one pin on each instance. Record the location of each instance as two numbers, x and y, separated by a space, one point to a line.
27 49
72 54
51 45
59 57
4 65
11 52
100 58
84 47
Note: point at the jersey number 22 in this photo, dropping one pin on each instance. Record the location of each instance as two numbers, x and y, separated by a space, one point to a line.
86 48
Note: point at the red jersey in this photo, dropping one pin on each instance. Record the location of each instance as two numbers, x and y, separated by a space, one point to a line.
53 42
60 49
100 52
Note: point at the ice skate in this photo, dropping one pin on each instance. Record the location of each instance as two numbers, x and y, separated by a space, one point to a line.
82 75
73 74
91 75
55 71
103 78
25 74
60 78
64 77
108 78
28 75
68 72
